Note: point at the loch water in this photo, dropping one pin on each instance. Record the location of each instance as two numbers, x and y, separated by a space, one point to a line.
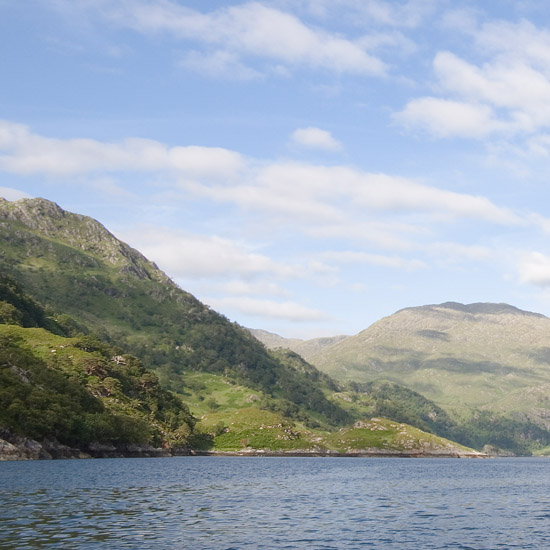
275 503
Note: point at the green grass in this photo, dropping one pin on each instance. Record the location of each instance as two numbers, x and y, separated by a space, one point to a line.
253 428
207 393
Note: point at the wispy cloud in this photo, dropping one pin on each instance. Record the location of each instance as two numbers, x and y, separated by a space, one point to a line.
506 96
332 193
346 216
380 260
269 309
23 152
251 30
11 194
218 64
315 138
534 268
191 256
396 13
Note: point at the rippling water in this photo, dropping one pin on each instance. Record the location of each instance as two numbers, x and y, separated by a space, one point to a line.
289 503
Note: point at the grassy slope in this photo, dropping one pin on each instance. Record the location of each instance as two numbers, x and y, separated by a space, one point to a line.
253 429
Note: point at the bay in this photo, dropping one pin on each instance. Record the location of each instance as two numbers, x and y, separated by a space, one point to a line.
271 502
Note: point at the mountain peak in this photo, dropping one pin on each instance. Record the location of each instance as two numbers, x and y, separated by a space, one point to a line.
476 308
48 219
481 308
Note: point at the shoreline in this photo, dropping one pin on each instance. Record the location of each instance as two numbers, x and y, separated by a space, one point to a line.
20 448
336 454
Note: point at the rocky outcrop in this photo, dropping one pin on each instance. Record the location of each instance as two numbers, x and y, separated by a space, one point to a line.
493 451
15 447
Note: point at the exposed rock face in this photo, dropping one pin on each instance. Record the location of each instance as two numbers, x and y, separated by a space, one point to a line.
14 447
82 232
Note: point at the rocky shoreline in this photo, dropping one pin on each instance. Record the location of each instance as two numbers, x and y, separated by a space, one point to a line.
13 447
365 453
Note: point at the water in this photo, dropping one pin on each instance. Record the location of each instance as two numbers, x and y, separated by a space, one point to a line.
265 503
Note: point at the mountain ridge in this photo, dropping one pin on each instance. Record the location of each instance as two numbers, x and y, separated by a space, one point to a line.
474 308
491 349
59 258
306 348
217 366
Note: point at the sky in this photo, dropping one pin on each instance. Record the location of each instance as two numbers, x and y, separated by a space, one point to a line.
306 167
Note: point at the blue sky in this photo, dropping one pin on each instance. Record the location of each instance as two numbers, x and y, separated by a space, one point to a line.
306 166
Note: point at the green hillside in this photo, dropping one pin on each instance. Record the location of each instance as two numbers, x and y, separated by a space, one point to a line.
72 264
482 363
66 396
79 280
79 391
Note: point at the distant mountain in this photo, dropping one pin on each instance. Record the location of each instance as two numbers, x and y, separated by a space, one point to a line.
488 356
305 348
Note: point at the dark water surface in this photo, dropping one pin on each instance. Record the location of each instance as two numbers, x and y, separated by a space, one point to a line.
252 503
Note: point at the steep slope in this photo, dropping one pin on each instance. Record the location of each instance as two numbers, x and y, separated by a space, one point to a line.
305 348
77 394
460 356
72 264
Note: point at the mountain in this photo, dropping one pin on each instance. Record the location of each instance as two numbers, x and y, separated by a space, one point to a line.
74 266
74 300
491 357
305 348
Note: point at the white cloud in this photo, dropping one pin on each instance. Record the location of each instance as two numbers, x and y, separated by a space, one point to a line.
508 95
190 256
506 83
340 195
23 152
251 29
239 287
380 260
464 19
315 138
522 41
218 64
377 213
13 194
448 118
534 268
452 252
269 309
395 13
540 145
